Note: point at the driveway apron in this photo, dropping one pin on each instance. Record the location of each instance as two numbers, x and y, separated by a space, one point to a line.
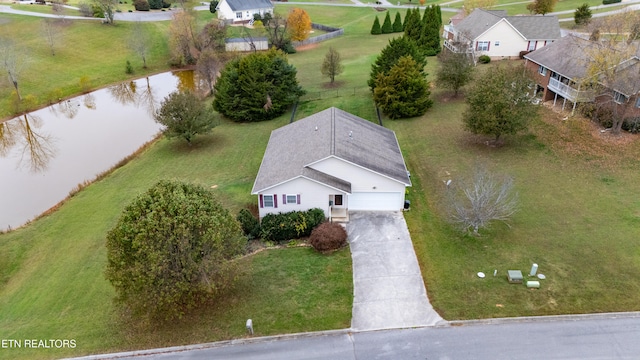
387 283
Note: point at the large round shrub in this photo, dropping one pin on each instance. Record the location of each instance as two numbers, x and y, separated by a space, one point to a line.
256 87
141 5
170 250
328 236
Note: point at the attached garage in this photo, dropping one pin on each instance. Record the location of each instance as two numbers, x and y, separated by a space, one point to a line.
375 201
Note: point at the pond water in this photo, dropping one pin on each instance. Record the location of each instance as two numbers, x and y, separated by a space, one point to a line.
47 153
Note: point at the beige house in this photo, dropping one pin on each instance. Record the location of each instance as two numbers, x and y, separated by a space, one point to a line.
493 33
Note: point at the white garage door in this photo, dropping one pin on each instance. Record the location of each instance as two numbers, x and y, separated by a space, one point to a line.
379 201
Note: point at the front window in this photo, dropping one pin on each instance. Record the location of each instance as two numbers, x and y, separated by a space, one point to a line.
239 15
291 199
542 70
267 200
532 45
619 97
483 46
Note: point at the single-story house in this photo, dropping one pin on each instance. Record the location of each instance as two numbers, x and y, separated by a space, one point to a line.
334 161
493 33
561 75
242 10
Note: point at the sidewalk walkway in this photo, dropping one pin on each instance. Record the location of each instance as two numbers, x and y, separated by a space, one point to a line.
388 290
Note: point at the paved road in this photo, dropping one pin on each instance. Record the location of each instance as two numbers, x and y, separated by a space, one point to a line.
388 290
606 336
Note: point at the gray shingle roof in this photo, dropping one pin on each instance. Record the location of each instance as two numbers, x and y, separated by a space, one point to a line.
331 132
565 56
534 27
240 5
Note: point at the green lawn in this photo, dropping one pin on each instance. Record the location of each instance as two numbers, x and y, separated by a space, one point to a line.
578 219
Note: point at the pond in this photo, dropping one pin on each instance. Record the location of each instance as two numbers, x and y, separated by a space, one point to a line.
47 153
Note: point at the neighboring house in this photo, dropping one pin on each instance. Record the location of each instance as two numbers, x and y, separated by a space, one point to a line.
242 10
334 161
493 33
561 75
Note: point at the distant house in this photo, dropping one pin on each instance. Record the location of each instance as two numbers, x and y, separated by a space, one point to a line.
334 161
493 33
242 10
561 74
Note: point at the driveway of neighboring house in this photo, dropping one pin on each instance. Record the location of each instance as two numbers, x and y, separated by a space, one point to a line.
388 290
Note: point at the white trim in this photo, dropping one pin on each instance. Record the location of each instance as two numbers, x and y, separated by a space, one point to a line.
299 177
362 167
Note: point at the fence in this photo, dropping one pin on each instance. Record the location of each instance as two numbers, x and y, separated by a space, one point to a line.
331 32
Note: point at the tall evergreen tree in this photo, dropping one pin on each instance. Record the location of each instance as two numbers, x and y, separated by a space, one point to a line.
387 28
397 24
439 15
375 29
406 18
397 48
404 91
413 25
430 38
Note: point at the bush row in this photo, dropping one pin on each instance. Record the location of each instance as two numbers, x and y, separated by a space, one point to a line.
290 225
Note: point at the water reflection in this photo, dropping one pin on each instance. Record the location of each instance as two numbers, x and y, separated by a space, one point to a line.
44 155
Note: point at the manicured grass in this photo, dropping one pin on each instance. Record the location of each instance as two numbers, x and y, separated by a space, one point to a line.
578 216
86 49
53 284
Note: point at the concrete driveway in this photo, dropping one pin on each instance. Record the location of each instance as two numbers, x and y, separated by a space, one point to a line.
388 290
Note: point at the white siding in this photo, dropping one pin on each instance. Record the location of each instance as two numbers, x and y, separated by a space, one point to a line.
362 180
312 195
511 42
224 11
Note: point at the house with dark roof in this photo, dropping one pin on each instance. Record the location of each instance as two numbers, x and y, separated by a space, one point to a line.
236 11
561 74
334 161
493 33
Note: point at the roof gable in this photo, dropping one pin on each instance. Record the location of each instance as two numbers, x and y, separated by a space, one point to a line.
533 27
240 5
332 132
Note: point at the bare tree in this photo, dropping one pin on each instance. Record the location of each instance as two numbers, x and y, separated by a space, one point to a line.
209 65
13 62
7 137
332 64
57 7
38 149
476 202
140 41
124 92
183 42
51 33
278 33
612 70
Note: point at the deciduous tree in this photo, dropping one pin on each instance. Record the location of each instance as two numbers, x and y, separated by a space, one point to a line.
171 249
185 116
277 29
51 33
209 65
477 201
470 5
403 92
108 8
140 41
256 87
13 62
455 70
332 64
541 6
183 42
500 103
299 24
